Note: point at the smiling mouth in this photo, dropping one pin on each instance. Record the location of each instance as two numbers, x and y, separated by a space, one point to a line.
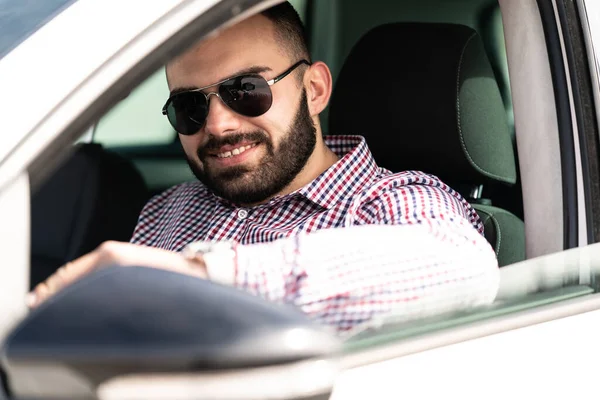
235 152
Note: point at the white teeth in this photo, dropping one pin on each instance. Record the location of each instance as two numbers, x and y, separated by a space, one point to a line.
235 152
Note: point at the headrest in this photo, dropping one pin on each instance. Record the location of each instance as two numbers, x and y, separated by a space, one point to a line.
425 98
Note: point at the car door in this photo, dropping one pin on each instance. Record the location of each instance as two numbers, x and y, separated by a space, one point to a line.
541 329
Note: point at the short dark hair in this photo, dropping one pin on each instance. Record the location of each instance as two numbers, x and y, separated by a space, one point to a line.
289 29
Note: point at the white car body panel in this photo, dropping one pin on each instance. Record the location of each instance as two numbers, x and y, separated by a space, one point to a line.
14 245
545 361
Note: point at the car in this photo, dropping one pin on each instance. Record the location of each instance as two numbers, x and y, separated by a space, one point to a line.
511 122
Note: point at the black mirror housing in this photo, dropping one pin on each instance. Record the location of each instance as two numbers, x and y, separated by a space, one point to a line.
137 320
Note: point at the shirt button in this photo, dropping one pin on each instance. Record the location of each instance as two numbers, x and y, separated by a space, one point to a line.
242 214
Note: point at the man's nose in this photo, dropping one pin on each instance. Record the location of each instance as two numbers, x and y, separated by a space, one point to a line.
220 119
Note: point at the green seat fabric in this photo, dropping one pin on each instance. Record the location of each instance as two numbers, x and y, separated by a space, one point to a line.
505 232
436 107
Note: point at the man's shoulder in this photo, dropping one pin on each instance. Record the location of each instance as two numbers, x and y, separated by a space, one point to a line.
386 180
411 187
414 194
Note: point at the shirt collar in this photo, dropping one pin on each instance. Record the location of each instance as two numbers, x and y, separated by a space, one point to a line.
347 177
355 168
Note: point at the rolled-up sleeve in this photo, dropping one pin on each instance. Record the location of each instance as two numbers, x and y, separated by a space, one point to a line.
407 251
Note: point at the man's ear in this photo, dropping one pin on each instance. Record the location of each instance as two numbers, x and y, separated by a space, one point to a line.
318 84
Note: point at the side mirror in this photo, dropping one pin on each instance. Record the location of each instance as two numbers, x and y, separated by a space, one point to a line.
135 332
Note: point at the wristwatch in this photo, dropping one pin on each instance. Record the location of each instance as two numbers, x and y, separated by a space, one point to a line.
218 257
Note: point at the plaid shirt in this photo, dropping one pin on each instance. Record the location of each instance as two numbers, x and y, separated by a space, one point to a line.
410 245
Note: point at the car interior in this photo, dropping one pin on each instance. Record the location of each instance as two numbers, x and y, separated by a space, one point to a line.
426 82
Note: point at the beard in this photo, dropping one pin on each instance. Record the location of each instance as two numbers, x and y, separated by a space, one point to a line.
276 170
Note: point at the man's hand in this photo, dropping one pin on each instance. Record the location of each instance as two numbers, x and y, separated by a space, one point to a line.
114 253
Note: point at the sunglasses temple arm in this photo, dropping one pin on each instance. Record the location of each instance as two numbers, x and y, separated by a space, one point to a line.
286 73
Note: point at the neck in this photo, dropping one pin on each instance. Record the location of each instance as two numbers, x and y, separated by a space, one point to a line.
320 161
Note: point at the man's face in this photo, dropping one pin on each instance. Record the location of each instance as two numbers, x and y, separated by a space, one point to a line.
243 159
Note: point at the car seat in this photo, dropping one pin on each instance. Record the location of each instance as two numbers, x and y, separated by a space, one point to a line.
94 196
425 98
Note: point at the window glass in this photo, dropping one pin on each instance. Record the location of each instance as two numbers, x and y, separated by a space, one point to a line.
137 120
523 286
300 6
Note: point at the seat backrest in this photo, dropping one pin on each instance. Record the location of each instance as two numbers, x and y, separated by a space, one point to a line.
425 98
504 231
94 196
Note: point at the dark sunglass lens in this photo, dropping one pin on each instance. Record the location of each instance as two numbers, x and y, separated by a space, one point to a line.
187 112
247 95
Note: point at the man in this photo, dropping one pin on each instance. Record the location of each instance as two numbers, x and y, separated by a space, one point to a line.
283 213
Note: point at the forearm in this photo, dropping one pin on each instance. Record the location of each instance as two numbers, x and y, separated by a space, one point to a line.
343 277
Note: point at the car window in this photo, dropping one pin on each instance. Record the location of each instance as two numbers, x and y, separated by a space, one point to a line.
137 120
300 6
21 18
525 286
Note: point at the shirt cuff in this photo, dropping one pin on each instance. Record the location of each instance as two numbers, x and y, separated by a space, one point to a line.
221 265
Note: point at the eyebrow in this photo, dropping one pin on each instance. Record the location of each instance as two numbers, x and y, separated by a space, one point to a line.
255 69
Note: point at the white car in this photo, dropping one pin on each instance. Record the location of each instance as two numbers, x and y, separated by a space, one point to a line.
501 98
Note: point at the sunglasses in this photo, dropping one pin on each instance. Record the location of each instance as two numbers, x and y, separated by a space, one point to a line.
248 95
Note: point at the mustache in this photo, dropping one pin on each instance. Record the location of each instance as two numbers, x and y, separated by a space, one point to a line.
215 143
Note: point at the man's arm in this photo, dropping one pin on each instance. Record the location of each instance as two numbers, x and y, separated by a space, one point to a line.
344 277
386 262
424 260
